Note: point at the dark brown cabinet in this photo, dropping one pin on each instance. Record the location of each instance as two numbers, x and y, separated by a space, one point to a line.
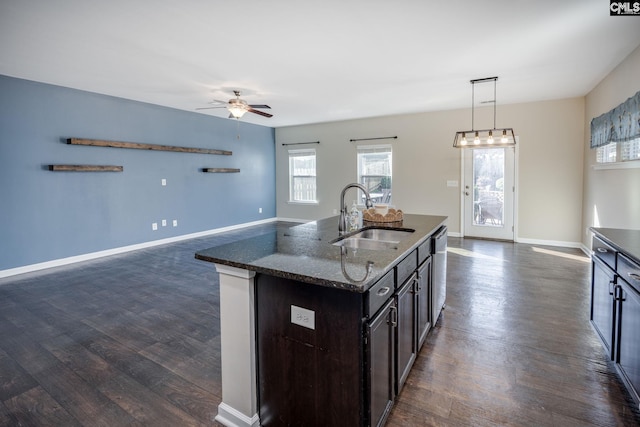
615 309
423 295
628 347
406 335
603 303
381 363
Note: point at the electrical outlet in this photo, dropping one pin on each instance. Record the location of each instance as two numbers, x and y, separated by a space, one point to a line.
303 317
154 226
164 182
164 222
175 222
259 210
335 211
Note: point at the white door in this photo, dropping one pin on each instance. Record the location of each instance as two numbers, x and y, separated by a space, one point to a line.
489 188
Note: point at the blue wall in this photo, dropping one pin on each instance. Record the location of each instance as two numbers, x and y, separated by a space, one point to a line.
48 215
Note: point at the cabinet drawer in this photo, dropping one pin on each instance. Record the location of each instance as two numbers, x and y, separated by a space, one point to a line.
424 250
629 271
406 267
380 293
604 251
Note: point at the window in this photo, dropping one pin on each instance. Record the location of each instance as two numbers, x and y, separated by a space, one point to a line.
625 151
607 153
631 150
302 176
374 171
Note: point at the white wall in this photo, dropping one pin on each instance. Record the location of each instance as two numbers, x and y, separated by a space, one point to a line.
550 164
611 197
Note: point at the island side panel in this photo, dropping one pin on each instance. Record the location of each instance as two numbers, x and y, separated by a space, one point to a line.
309 376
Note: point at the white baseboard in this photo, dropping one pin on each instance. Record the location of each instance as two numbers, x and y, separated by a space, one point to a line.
295 220
558 243
231 417
100 254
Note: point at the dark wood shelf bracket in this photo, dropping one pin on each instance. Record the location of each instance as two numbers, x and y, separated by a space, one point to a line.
141 146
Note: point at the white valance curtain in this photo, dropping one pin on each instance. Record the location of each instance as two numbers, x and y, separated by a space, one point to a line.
618 125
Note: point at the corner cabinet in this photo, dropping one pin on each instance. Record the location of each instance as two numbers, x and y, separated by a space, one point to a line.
615 308
333 357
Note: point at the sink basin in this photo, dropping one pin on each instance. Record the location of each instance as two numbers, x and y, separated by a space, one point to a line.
383 234
374 245
375 239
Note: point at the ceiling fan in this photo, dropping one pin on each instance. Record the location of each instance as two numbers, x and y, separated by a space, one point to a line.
237 107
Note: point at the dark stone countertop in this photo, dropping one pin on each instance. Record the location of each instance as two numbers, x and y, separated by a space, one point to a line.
305 253
625 241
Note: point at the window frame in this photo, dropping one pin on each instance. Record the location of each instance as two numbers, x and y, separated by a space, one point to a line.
618 149
292 154
373 149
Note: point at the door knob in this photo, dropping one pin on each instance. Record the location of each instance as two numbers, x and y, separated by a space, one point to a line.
466 193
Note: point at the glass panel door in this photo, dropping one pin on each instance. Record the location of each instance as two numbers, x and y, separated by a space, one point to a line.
489 188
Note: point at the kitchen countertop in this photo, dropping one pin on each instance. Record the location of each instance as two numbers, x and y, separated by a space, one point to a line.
305 253
626 241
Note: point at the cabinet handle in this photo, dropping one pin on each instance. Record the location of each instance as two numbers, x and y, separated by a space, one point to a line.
634 276
602 250
394 316
611 289
383 291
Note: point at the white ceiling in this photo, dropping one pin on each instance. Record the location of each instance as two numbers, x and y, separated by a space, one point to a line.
316 61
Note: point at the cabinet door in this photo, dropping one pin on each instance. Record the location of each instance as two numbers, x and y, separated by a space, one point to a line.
628 357
602 303
381 364
423 293
406 335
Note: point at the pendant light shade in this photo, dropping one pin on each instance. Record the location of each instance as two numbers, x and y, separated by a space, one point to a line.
504 137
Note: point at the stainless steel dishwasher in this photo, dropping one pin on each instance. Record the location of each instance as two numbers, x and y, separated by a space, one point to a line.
438 273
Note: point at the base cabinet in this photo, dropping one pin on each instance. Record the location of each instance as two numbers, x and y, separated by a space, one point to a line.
380 340
615 309
628 353
406 345
603 303
423 295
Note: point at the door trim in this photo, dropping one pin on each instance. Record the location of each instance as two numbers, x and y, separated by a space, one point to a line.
516 183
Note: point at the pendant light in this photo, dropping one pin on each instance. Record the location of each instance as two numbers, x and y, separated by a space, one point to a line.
484 137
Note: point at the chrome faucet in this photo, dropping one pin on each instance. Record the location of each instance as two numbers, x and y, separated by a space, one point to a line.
342 227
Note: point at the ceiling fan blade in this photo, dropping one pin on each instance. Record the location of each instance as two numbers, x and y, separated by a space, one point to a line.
260 106
217 101
262 113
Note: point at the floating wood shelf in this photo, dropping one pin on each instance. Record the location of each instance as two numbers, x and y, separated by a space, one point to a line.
85 168
220 170
140 146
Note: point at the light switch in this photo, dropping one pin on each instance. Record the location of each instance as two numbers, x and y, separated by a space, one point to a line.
452 183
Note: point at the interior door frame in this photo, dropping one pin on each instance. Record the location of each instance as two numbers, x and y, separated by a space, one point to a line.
516 184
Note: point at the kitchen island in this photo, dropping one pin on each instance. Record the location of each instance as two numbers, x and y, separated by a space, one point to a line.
315 333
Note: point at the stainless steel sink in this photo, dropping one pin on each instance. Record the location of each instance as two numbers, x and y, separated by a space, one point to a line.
383 234
375 239
374 245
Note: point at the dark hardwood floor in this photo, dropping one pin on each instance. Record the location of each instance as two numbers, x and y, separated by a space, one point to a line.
133 339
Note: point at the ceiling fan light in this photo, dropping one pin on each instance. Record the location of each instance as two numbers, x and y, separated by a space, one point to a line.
236 111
